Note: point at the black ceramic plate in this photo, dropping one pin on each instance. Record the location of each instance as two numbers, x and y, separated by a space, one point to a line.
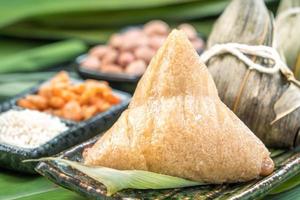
11 156
287 165
111 77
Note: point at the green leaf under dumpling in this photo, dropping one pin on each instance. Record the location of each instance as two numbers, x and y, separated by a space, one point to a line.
116 180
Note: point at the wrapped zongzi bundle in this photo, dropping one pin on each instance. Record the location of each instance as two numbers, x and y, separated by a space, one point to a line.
267 102
177 125
288 33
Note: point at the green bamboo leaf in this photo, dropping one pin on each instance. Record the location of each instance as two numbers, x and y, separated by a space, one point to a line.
17 186
276 152
116 180
292 194
287 34
29 77
10 46
291 183
42 57
11 89
25 77
98 26
180 11
91 36
170 13
14 10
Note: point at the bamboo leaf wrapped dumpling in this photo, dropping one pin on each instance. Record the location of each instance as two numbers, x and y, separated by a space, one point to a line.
287 33
253 95
177 125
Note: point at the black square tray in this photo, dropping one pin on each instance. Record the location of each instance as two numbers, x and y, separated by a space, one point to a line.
11 156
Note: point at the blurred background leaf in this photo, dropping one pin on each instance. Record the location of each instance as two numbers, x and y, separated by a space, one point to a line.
93 21
39 58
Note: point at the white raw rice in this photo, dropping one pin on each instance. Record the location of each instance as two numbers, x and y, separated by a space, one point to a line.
29 128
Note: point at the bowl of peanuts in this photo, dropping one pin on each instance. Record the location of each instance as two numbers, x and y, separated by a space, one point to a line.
125 57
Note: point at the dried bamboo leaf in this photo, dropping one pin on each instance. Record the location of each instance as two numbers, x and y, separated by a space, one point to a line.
287 33
251 94
287 103
297 67
116 180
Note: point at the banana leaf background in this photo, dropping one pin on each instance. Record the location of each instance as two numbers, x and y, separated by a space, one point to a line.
40 37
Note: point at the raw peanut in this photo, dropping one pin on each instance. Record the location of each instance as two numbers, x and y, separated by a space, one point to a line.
58 112
156 27
61 77
92 82
111 68
56 102
111 98
99 51
96 86
116 40
72 111
144 53
45 91
87 94
78 88
102 105
56 91
91 62
109 57
133 33
89 111
142 41
189 30
39 101
104 83
68 95
137 67
198 44
26 104
156 42
93 100
132 39
100 88
125 58
60 85
129 44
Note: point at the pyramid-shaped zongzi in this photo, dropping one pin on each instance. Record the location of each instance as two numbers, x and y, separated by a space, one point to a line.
177 125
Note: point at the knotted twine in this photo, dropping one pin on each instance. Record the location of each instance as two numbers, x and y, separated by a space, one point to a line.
242 50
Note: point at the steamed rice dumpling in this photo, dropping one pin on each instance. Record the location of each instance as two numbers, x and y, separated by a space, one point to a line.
252 95
287 30
177 125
